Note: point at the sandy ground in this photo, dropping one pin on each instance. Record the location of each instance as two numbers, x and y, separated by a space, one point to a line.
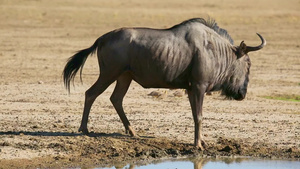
39 120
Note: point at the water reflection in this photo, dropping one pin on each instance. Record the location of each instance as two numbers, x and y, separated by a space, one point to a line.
198 164
170 164
179 163
230 163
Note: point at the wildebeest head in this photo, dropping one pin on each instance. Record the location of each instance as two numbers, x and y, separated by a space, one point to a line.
235 86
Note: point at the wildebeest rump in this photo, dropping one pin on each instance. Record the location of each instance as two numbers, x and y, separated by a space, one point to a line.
196 55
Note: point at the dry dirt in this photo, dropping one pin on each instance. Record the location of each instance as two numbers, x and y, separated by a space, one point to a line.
39 120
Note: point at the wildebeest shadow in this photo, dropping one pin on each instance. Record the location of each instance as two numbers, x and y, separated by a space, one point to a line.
47 133
71 134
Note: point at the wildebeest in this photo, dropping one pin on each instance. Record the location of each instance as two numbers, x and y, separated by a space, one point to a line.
196 55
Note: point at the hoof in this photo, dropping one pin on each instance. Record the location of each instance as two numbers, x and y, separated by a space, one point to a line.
130 131
204 144
83 130
201 145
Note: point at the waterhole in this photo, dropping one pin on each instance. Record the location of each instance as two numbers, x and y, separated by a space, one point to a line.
236 163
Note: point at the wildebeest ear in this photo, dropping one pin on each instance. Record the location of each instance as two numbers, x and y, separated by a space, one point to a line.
242 49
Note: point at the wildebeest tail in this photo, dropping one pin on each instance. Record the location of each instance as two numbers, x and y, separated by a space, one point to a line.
75 63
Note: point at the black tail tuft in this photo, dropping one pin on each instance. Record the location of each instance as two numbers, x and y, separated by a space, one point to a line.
75 63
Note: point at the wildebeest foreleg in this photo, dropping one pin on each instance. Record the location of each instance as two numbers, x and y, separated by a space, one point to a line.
116 98
196 96
90 95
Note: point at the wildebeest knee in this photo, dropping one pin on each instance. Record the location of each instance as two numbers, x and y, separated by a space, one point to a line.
115 100
89 95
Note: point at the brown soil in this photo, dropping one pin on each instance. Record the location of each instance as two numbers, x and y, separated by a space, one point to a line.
39 120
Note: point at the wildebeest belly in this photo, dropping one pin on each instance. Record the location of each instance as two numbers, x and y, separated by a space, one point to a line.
152 81
162 63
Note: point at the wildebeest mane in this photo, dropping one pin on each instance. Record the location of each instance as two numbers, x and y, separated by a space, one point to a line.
211 23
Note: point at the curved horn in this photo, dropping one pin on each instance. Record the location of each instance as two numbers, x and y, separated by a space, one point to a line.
263 43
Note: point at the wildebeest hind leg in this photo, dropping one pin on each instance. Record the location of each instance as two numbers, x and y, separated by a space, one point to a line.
90 95
116 98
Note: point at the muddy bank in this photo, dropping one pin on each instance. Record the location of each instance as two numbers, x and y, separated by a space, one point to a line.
111 149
